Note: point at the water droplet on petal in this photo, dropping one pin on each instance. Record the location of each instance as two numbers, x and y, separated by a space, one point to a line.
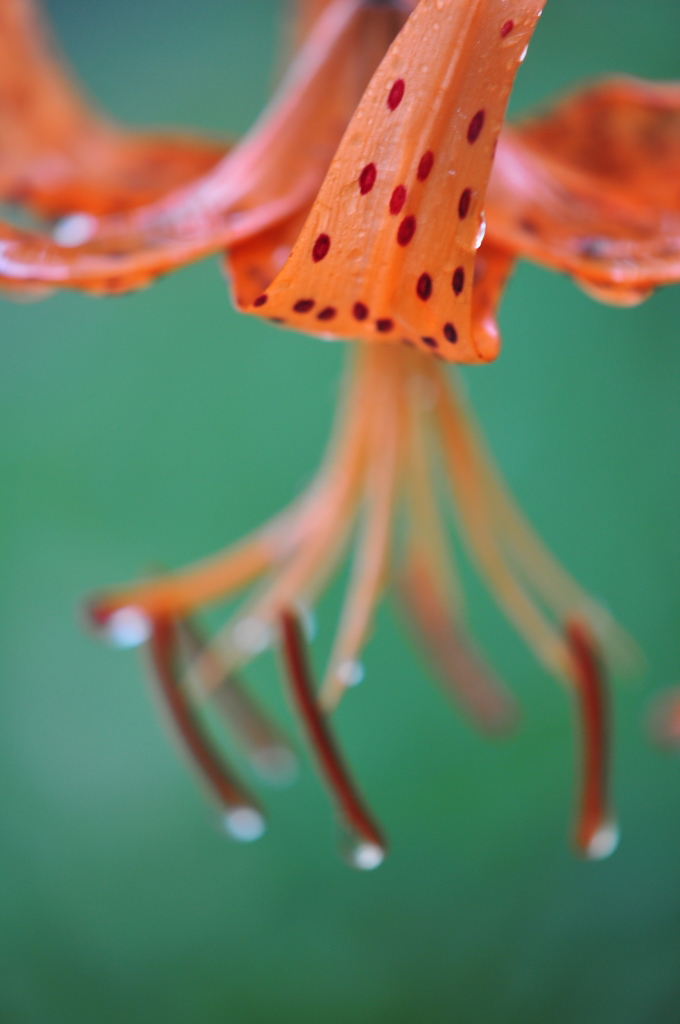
523 53
76 229
245 824
127 627
481 231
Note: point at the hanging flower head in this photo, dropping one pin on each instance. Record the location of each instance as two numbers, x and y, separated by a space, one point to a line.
379 198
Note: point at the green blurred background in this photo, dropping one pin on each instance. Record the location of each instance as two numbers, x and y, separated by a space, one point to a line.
157 427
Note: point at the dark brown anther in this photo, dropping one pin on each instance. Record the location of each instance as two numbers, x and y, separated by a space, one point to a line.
243 819
596 832
369 848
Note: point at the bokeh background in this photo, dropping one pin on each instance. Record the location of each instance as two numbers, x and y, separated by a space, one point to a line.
157 427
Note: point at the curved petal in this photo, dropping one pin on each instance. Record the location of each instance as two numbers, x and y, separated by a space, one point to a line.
271 175
591 188
57 154
388 251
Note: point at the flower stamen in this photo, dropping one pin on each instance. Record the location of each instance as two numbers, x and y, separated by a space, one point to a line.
267 749
370 848
243 818
596 832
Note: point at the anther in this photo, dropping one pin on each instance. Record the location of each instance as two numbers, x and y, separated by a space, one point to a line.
596 833
241 816
367 836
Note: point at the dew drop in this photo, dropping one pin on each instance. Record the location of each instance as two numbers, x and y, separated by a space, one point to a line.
245 824
366 856
604 842
76 229
127 627
350 672
481 231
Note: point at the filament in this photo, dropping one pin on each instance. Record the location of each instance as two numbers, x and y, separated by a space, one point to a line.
562 595
463 473
328 522
175 594
372 550
459 667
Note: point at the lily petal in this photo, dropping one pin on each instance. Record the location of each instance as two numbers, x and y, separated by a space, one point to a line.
591 188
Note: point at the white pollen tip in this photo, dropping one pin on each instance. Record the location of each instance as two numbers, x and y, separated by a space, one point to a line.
127 627
603 842
245 824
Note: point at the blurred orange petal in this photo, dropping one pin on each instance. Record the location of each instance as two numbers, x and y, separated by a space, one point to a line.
590 187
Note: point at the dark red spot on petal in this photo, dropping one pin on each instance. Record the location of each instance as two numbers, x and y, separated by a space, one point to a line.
458 280
396 94
431 342
450 333
397 199
260 300
359 311
303 305
407 230
327 313
425 165
507 28
367 178
384 325
464 203
424 286
321 247
475 126
528 225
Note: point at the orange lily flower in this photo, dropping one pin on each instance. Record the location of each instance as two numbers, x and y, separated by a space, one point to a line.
356 208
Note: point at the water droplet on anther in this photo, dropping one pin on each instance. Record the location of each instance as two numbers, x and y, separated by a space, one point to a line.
245 824
366 856
127 627
350 672
603 842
